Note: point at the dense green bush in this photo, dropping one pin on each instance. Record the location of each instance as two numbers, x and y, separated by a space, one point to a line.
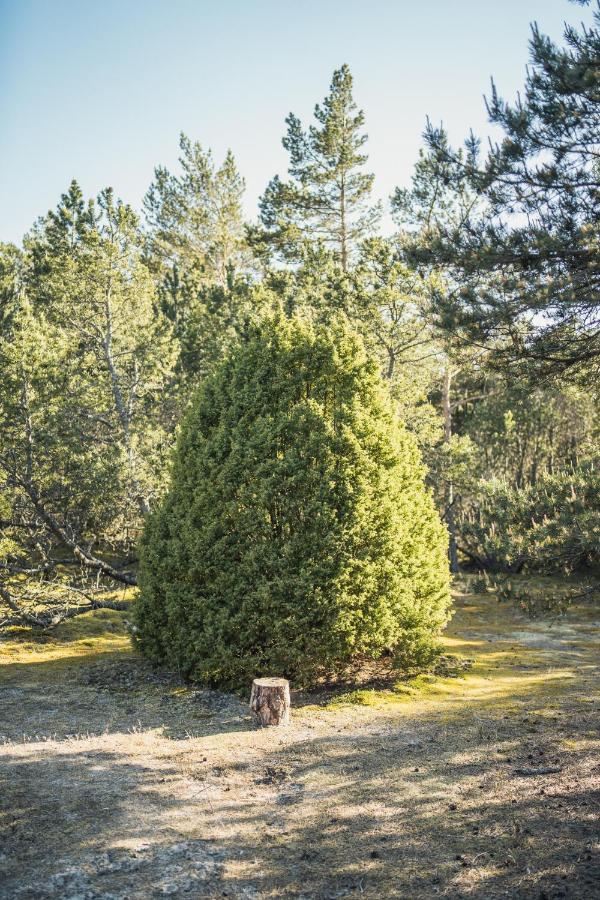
552 527
297 531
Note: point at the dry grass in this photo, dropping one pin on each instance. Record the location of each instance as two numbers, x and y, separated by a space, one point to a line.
120 782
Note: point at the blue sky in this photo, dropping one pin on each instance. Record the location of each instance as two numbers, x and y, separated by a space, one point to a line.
100 89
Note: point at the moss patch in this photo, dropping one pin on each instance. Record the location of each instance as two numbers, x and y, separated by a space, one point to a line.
82 639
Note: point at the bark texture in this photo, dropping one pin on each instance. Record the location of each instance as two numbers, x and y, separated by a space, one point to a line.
270 701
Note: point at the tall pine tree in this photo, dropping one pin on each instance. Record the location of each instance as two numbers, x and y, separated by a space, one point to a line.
198 254
195 218
327 196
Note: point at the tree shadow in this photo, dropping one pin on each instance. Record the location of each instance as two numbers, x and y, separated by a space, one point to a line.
85 823
434 810
412 799
108 694
389 818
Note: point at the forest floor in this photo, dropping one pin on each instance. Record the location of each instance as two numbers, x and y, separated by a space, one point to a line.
480 781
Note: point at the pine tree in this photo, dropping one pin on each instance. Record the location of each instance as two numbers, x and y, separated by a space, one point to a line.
195 218
85 366
327 197
436 200
528 269
297 531
437 203
11 262
197 252
90 299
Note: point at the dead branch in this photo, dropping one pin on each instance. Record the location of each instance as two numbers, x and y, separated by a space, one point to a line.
87 559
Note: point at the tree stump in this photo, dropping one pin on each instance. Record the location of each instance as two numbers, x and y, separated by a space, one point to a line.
270 701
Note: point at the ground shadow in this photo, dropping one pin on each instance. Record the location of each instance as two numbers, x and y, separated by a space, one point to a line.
436 809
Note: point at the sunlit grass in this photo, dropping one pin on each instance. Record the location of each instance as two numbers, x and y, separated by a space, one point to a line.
482 630
92 635
505 670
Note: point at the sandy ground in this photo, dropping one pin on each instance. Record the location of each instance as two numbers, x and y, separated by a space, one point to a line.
117 782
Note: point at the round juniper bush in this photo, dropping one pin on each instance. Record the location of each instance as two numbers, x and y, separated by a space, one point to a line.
297 531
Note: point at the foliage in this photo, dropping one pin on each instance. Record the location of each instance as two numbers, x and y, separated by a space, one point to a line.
431 204
538 602
327 198
10 269
297 531
84 360
195 220
197 252
108 328
528 269
92 294
552 526
530 448
523 432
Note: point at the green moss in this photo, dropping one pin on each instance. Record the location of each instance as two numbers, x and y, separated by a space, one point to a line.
83 639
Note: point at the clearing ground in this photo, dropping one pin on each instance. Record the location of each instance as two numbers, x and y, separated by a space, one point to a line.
120 782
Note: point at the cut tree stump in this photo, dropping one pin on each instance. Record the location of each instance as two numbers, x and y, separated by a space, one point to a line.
270 701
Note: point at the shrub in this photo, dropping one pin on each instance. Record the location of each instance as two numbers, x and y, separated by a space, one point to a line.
552 527
297 531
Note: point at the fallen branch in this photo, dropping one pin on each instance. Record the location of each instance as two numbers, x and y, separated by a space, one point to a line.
22 617
586 592
474 557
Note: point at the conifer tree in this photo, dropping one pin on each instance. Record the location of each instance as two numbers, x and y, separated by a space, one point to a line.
297 531
436 203
528 269
11 262
327 197
84 361
197 252
195 218
90 283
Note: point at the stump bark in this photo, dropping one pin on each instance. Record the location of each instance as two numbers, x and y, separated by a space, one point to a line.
270 701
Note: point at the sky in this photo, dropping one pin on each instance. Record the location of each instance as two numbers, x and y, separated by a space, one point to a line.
99 90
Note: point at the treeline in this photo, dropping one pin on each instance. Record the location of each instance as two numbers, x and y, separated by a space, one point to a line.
482 310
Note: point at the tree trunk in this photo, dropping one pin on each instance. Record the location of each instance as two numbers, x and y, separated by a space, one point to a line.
270 701
450 520
343 230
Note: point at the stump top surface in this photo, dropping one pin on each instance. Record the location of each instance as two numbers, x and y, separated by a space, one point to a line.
271 682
